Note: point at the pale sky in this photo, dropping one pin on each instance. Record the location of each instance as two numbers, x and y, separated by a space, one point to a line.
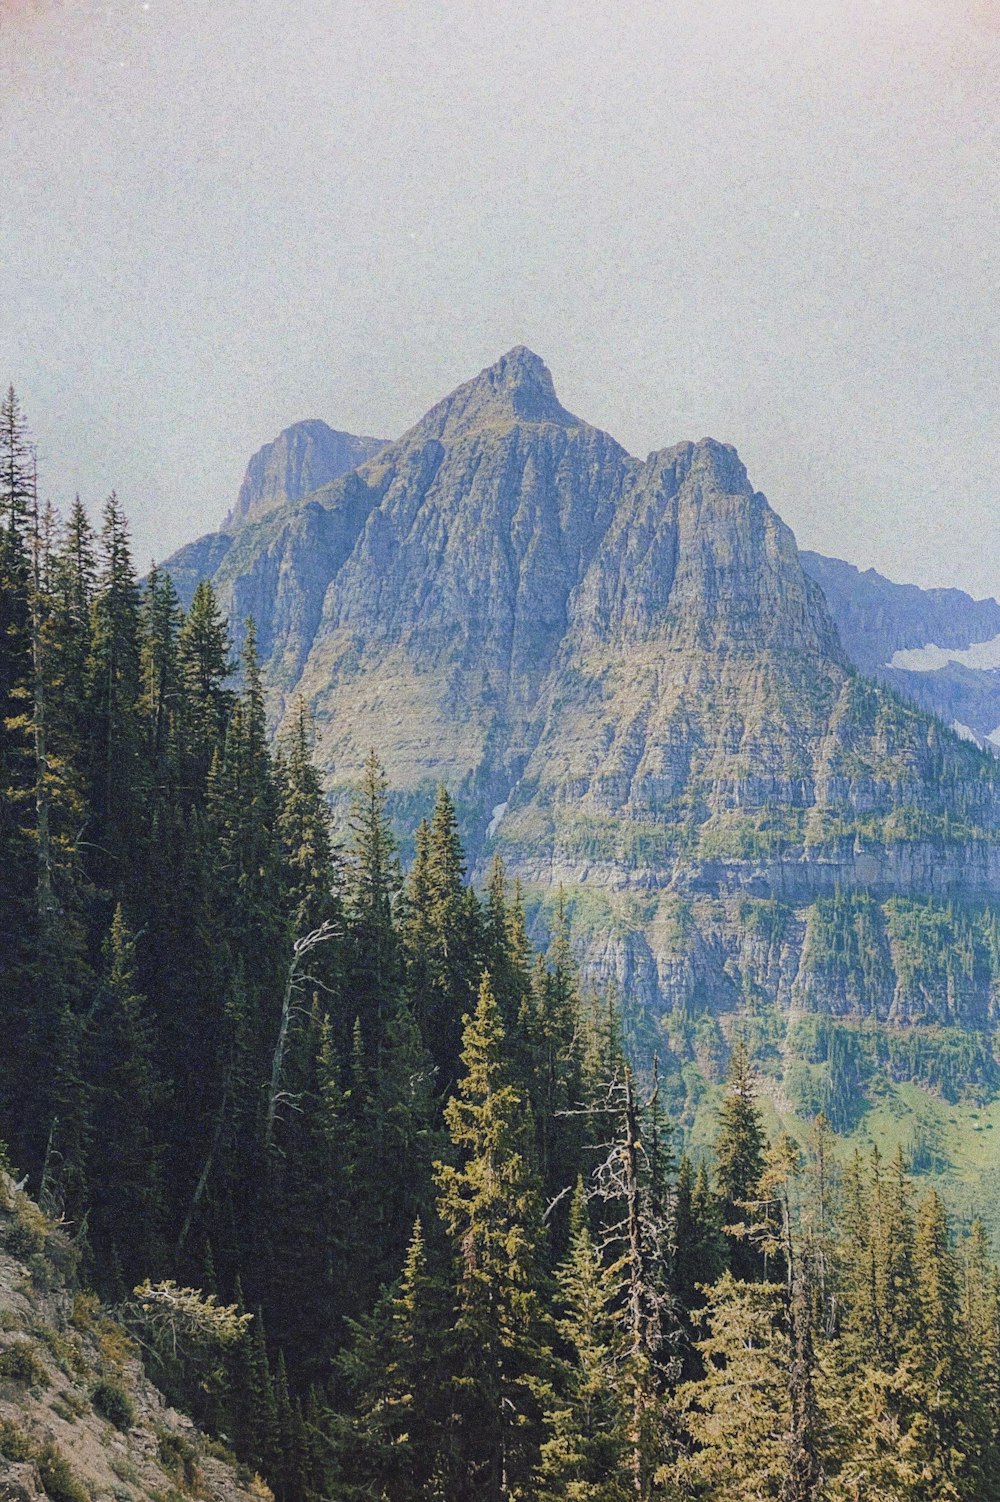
771 221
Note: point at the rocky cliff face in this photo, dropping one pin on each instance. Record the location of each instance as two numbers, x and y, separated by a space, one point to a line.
628 680
301 459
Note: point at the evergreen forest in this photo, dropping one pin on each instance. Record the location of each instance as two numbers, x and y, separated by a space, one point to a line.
433 1234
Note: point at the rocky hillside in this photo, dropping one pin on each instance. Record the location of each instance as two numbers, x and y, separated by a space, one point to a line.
627 678
79 1420
940 648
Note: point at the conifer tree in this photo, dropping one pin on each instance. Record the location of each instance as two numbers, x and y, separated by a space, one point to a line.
490 1206
304 830
700 1251
804 1480
114 684
18 909
314 1179
739 1162
373 883
441 937
401 1128
957 1440
552 1024
69 648
586 1452
505 952
980 1299
16 467
397 1440
203 666
125 1165
161 697
738 1413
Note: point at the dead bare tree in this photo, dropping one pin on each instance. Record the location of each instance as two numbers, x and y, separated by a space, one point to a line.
292 1005
630 1182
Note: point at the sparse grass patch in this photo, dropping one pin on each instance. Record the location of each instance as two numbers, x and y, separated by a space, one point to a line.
69 1405
58 1478
124 1469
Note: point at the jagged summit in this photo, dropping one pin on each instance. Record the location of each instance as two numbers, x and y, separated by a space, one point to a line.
517 388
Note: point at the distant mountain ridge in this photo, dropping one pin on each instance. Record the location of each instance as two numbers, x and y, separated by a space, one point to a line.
886 629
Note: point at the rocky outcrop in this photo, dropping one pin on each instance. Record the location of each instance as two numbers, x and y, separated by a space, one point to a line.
79 1419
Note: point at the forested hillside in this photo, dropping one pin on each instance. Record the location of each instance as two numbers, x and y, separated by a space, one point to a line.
350 1101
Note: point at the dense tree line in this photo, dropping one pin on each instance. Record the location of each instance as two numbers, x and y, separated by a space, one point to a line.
355 1105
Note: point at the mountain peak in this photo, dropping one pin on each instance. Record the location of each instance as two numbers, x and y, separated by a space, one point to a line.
516 388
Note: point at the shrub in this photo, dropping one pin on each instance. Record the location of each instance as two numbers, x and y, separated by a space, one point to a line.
15 1444
220 1451
58 1347
179 1459
86 1307
115 1346
58 1479
28 1229
19 1363
113 1403
44 1278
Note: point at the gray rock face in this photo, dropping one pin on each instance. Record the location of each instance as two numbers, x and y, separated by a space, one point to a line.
301 459
632 686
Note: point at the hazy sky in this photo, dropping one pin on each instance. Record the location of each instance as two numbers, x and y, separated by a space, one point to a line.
771 221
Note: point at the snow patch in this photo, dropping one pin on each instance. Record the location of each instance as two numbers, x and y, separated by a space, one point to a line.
979 654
